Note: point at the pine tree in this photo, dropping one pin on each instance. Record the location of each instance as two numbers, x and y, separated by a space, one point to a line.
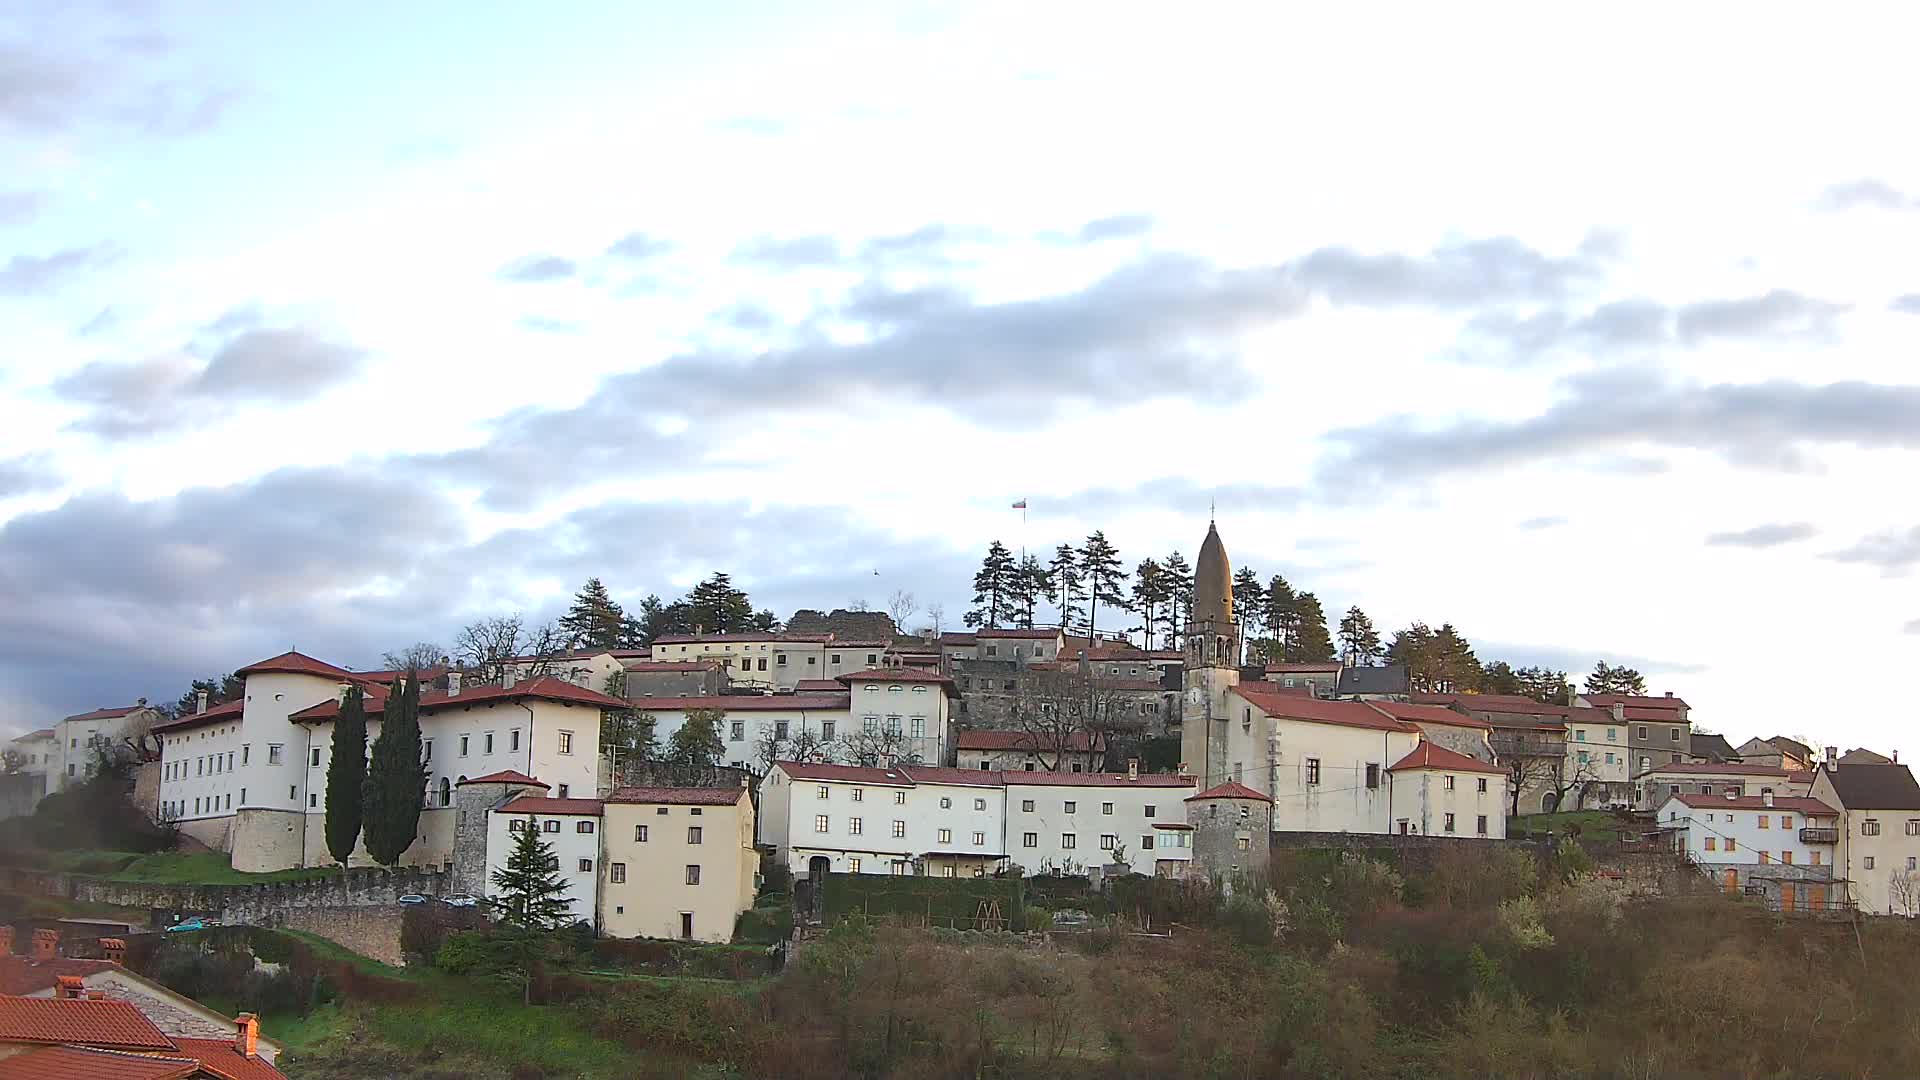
1282 617
1359 641
594 621
1541 684
1064 575
1030 585
1458 668
1607 679
715 606
529 892
1311 643
346 776
396 780
1414 648
1179 595
697 740
656 619
1149 594
1100 565
1249 599
1500 678
993 587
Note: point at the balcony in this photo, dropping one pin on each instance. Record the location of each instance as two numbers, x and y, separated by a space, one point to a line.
1819 836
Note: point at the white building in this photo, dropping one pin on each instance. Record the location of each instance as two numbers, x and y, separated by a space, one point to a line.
1026 751
907 707
1879 836
841 819
772 660
1066 822
748 719
1781 847
1323 763
1439 792
36 750
77 739
571 827
1597 758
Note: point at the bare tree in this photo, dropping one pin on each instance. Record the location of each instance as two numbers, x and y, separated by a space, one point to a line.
12 761
936 619
487 648
1903 892
1062 712
804 745
901 606
142 745
882 746
1524 773
420 656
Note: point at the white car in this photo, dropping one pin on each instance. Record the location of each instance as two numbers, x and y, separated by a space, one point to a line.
460 899
413 898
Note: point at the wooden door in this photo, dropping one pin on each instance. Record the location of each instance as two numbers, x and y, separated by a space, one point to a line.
1732 880
1789 893
1817 898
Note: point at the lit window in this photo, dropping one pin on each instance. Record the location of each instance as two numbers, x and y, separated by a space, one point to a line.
899 798
979 839
1313 770
820 823
854 826
820 792
617 873
899 829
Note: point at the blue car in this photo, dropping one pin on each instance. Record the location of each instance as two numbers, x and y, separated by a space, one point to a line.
187 925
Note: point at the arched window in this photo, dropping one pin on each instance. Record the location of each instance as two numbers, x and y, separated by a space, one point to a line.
446 791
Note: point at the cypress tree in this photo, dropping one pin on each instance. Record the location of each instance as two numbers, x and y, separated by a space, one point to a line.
396 781
346 776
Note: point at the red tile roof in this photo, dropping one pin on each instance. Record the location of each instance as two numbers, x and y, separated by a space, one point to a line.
84 1063
958 639
677 796
1643 701
1431 756
505 776
226 710
1313 710
750 635
933 774
1717 768
293 663
536 804
898 674
818 686
857 774
1429 714
105 714
1081 779
219 1057
1077 741
1010 632
545 688
671 665
1799 804
1232 789
43 733
746 702
22 976
109 1024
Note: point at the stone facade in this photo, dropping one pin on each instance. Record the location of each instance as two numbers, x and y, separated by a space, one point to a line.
472 803
369 931
216 833
232 903
1230 836
266 840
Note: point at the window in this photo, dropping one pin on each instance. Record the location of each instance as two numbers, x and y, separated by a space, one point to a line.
836 659
826 730
1870 827
893 725
1763 821
313 801
1673 734
1106 808
1482 788
763 663
693 878
853 864
1730 843
979 839
946 803
820 823
1912 863
1244 843
513 740
1449 783
899 829
1815 858
1913 826
1710 844
1866 863
1108 841
859 794
1373 775
899 798
1765 856
1026 806
426 750
586 866
617 873
315 756
550 826
639 834
993 650
979 804
292 791
566 742
870 725
1643 734
274 751
660 811
780 730
1787 857
562 793
693 834
820 792
1449 823
486 743
246 751
583 827
1480 825
1313 770
738 732
854 826
1786 821
465 740
1031 839
946 836
1067 840
1072 806
780 659
1580 736
919 728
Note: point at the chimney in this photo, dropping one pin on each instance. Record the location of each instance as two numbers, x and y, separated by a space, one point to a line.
509 675
453 684
142 703
69 986
6 940
1133 768
1833 755
96 995
46 944
200 703
1669 693
1766 798
246 1035
1619 713
114 950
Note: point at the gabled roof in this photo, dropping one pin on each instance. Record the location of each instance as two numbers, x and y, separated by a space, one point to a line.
678 796
537 804
1711 747
934 774
1391 679
1313 710
1863 756
293 663
746 702
1874 787
24 976
745 635
1305 668
505 776
1077 741
226 710
900 675
1716 768
86 1063
1638 701
1792 746
1429 714
545 688
1796 803
818 686
957 639
1016 778
219 1057
1040 633
1429 755
855 774
105 714
43 733
109 1024
1232 789
654 666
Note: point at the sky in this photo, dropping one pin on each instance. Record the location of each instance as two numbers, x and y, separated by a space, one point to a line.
335 327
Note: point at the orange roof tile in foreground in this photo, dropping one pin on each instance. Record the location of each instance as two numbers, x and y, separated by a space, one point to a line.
108 1024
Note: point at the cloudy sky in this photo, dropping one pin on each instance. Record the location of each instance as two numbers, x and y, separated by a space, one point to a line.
333 326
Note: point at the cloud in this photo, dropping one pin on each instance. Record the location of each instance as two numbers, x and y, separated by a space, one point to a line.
103 320
1578 661
1538 523
793 253
928 246
1866 193
54 86
1893 552
19 207
638 245
538 268
1115 227
1781 313
1912 627
1608 415
546 325
1909 304
27 474
34 275
1454 275
256 366
1764 536
1639 323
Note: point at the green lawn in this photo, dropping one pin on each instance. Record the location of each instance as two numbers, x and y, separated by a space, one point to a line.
330 950
1589 821
205 868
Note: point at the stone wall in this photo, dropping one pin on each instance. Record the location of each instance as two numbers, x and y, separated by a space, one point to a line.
215 832
1415 850
369 931
360 888
20 793
268 840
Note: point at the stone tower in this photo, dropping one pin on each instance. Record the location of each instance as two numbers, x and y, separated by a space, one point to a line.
1212 665
1232 831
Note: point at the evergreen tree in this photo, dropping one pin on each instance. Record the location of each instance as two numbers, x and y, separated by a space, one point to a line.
1179 595
1607 679
529 892
1282 617
1359 641
1458 670
655 620
993 588
594 621
1543 684
346 776
397 779
1500 678
1100 566
1030 585
715 606
697 741
1311 643
1414 647
1249 600
220 689
1149 595
1063 574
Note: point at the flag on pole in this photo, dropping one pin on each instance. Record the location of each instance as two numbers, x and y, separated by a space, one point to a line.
1021 505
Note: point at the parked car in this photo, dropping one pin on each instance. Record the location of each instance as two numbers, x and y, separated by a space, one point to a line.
460 899
413 898
188 925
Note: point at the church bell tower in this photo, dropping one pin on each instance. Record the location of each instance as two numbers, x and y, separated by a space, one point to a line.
1212 665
